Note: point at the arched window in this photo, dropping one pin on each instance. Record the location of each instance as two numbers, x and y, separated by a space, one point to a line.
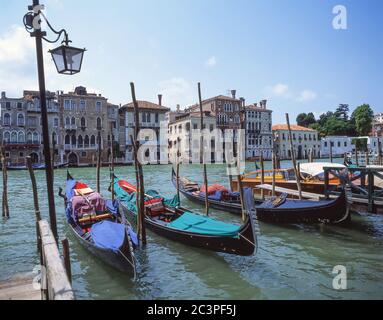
7 137
20 120
21 137
7 119
86 142
92 141
29 137
35 138
67 139
67 121
99 123
54 138
73 121
83 122
13 137
74 140
80 142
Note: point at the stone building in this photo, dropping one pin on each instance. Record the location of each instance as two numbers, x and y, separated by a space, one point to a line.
86 118
304 140
181 136
339 145
377 125
21 129
151 116
259 135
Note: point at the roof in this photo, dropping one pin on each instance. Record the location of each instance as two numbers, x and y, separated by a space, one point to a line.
186 116
146 105
257 108
293 128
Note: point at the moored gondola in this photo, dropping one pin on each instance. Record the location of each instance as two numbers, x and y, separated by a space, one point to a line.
165 218
99 226
221 199
282 210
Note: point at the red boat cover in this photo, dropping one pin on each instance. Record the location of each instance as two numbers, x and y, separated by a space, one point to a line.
126 186
213 188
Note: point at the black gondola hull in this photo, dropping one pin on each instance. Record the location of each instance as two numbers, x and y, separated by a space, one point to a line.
117 260
243 245
329 212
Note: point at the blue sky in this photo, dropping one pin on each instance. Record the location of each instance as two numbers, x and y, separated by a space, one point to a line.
286 51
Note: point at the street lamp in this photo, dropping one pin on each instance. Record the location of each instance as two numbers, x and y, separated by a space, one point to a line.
68 60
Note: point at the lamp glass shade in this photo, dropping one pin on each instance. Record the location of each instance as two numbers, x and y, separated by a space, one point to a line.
68 60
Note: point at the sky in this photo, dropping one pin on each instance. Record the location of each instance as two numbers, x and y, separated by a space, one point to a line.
285 51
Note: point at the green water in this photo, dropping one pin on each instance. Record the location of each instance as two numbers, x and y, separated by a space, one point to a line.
293 262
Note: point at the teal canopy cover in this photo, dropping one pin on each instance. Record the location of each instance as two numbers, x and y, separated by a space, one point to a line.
195 223
130 199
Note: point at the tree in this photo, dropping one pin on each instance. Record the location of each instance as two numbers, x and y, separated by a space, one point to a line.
305 120
363 117
301 119
342 112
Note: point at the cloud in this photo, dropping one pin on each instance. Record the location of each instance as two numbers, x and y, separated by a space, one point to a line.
15 46
175 91
283 91
307 95
211 62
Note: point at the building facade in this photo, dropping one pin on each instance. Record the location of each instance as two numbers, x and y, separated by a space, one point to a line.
339 145
152 117
304 140
86 119
21 130
377 125
183 138
259 135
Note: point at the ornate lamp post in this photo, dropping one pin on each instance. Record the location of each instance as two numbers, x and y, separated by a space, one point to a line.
68 60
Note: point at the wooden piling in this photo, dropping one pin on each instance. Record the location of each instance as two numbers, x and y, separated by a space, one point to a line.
98 167
34 189
66 256
202 153
367 158
293 157
380 158
140 182
274 167
356 154
112 162
5 205
331 157
262 176
178 173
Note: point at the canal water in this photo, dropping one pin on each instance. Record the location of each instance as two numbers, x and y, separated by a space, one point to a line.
293 262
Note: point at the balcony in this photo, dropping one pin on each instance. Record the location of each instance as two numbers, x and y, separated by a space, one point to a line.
70 127
21 145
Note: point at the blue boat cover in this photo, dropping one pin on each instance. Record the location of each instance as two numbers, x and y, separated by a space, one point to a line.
108 235
195 223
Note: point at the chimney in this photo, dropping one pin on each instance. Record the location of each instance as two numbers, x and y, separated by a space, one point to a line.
256 104
160 100
3 95
178 108
243 101
233 93
263 104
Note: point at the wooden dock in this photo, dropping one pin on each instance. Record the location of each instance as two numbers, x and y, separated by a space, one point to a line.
19 287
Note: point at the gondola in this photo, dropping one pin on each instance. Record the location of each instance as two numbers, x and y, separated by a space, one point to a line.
283 210
165 218
99 226
231 203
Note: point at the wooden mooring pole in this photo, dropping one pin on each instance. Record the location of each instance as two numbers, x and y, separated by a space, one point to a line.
202 153
112 162
66 256
98 167
274 165
331 157
298 180
5 205
178 172
140 182
262 176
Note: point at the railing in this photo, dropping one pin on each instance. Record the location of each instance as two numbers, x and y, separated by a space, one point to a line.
55 283
361 182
